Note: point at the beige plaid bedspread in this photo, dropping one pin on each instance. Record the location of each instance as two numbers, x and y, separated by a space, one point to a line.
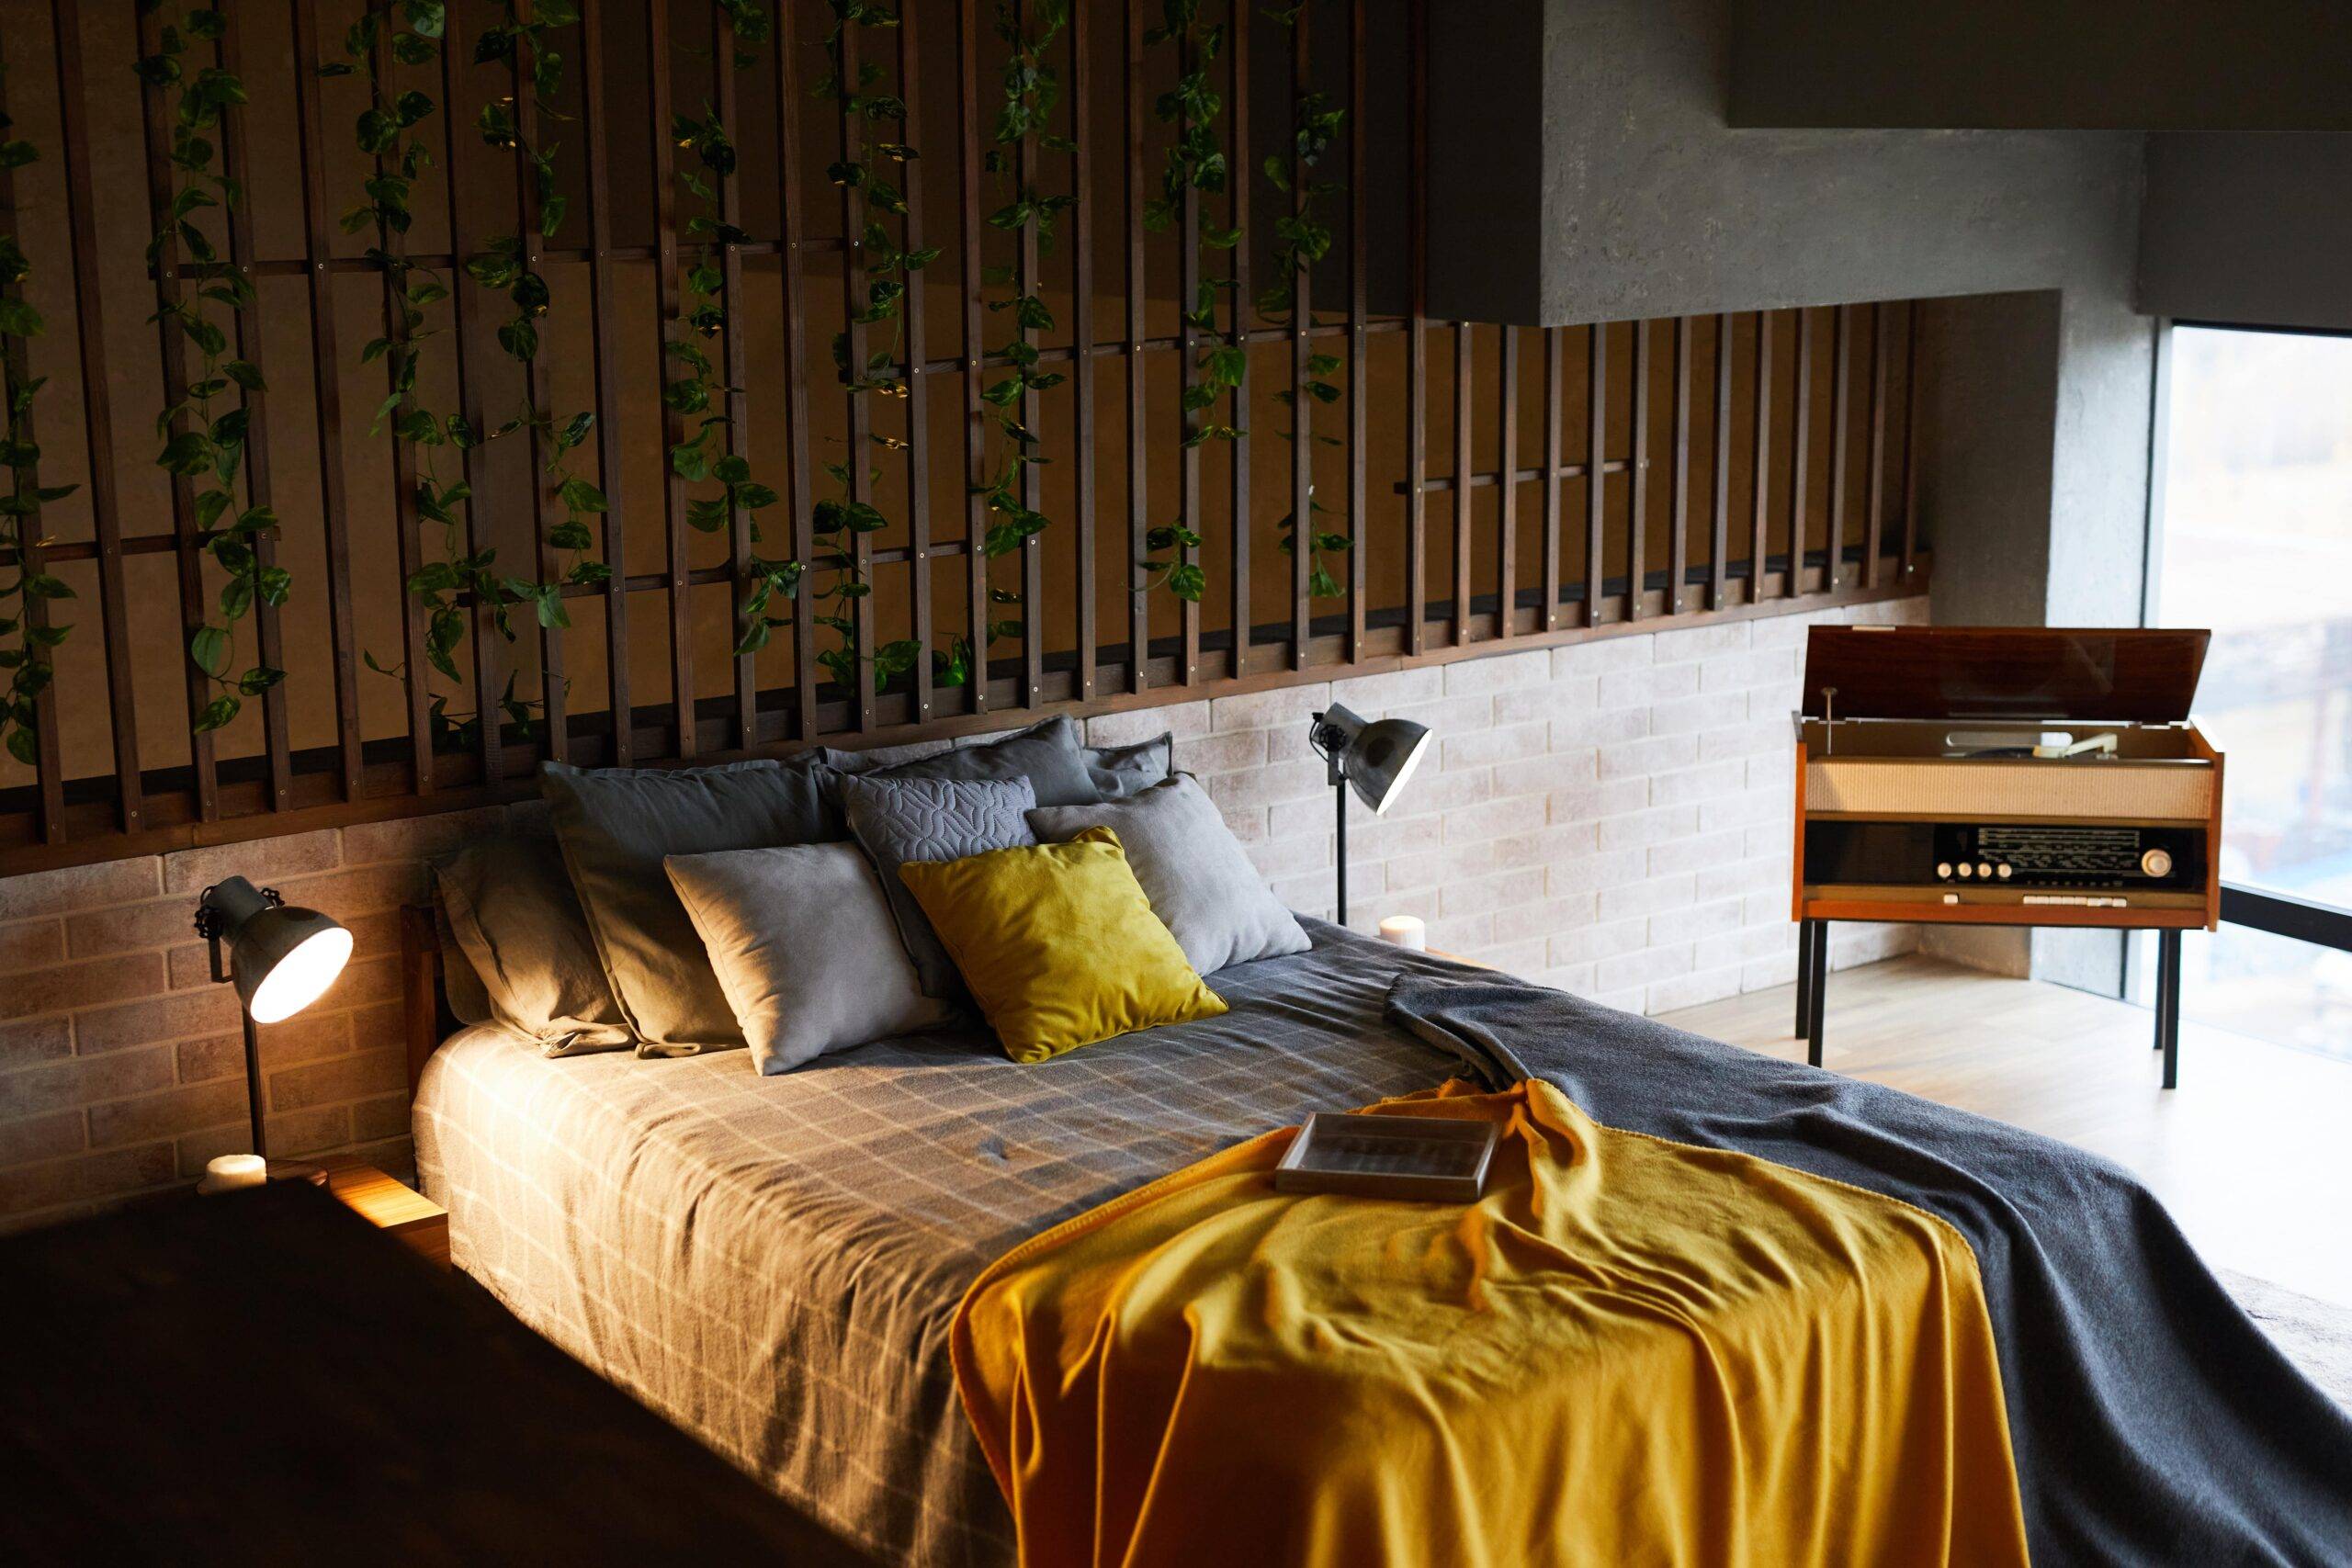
772 1263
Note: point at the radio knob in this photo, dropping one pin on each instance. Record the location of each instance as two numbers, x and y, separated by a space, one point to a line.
2156 862
1943 869
1982 870
2002 871
1966 869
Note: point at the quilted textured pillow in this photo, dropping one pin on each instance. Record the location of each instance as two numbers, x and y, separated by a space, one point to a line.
1195 873
1060 944
901 820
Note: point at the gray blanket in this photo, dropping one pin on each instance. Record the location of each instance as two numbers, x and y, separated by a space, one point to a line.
2152 1422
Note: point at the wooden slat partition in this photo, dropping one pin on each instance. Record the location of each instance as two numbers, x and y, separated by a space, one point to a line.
315 758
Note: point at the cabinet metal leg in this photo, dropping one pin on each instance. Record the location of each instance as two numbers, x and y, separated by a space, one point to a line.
1817 985
2169 1004
1804 977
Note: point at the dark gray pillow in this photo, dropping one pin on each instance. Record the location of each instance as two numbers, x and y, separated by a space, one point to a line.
617 825
1046 755
522 934
902 820
1193 870
1120 771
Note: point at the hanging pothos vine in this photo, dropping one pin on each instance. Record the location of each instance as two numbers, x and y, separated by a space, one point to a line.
202 448
28 662
1303 238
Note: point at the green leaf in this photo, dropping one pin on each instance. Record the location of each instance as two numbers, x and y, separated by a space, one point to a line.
208 648
580 496
218 712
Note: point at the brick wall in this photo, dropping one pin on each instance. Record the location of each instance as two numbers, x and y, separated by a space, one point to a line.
1611 818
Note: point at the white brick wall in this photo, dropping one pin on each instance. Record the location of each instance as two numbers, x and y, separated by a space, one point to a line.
1611 818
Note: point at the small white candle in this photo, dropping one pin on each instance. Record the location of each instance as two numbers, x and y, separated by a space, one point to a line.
1405 930
225 1173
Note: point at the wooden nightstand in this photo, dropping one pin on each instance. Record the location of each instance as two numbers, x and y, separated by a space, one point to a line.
1457 958
389 1205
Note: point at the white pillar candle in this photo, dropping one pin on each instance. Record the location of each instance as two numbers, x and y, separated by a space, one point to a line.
225 1173
1405 930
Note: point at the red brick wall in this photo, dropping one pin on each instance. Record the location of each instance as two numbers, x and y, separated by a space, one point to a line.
122 1067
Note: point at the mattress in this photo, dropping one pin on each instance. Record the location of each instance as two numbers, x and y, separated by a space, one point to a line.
773 1263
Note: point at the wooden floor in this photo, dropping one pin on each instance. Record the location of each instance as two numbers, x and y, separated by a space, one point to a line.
2252 1153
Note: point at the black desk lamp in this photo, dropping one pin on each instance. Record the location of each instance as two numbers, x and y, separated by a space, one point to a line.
1375 758
281 959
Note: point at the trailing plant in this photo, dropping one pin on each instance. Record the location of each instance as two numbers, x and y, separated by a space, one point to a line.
1196 162
864 170
28 662
1303 238
695 391
202 448
1032 91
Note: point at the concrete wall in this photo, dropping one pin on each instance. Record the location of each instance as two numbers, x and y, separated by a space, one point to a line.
1611 136
2249 229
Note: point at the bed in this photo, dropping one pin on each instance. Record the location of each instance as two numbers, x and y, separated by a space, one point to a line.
774 1262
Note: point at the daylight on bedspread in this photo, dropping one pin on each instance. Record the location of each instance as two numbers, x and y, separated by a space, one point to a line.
1106 786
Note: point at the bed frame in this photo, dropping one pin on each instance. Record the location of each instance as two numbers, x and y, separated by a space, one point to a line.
426 1018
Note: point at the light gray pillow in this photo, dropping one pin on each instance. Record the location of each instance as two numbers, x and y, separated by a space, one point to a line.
902 820
804 948
617 825
1120 771
1193 870
519 928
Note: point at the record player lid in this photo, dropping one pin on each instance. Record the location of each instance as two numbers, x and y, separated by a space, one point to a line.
2027 672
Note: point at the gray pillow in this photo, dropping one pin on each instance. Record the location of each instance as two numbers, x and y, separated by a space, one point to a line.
617 825
1122 770
1193 870
519 928
902 820
804 948
1046 755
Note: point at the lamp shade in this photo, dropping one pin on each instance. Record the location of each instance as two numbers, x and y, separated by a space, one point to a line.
282 959
1376 758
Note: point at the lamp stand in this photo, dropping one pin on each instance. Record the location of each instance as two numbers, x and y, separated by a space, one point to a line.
1339 804
213 916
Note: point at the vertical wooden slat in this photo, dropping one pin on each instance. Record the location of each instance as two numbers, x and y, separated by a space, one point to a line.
1875 500
409 525
15 367
673 425
467 352
975 344
1301 442
1911 442
737 363
268 634
1555 457
1719 550
1637 470
1800 457
1358 447
604 336
1081 222
97 417
799 487
861 424
1841 405
1138 491
1464 368
1417 391
1595 483
1028 279
1762 466
327 390
1188 475
918 385
1677 549
554 690
1506 478
1237 105
188 556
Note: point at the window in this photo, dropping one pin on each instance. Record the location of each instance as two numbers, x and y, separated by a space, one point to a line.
2257 545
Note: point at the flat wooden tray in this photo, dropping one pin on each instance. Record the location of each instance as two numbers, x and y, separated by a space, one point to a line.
1440 1159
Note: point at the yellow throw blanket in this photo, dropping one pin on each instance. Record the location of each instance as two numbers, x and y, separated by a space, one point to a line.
1628 1351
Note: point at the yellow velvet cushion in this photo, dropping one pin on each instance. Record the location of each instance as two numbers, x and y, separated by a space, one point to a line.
1058 945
